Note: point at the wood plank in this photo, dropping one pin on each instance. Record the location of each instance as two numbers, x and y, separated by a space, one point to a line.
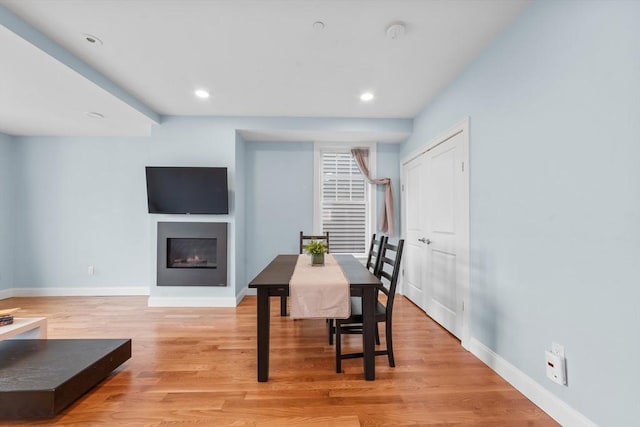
197 366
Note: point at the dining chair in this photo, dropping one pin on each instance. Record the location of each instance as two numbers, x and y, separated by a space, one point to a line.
373 265
391 257
304 239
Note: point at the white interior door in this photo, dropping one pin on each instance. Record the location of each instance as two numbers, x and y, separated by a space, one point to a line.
443 201
415 252
436 198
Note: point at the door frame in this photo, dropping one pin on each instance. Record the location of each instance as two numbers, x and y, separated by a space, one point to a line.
460 127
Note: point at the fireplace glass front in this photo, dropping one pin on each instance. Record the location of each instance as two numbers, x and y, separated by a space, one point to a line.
192 253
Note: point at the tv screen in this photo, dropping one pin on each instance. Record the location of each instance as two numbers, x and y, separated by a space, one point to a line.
187 190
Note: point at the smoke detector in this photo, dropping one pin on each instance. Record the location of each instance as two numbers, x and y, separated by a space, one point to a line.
396 30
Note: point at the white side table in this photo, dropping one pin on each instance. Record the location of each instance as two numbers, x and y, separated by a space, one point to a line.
25 328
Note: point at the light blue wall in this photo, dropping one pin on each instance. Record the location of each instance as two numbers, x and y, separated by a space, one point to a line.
280 196
279 199
82 201
555 197
7 210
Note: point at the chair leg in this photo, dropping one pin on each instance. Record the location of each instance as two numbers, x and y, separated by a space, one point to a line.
388 336
377 335
338 349
283 305
332 330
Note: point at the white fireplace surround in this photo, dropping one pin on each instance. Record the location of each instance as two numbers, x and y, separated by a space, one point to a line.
194 296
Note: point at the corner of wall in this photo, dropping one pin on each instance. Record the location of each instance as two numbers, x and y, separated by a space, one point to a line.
8 214
240 218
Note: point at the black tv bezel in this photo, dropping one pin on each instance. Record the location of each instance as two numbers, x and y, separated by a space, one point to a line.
184 211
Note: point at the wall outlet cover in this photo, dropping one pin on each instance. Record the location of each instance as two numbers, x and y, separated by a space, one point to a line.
555 367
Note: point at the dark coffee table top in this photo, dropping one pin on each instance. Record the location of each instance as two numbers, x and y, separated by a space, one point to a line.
27 365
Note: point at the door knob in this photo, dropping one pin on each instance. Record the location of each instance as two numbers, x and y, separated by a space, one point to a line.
425 240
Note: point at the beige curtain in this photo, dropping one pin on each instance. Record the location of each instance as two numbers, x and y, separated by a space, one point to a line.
387 218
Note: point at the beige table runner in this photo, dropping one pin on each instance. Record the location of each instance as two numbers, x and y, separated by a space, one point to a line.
319 291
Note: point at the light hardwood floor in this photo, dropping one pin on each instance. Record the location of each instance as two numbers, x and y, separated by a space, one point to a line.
197 366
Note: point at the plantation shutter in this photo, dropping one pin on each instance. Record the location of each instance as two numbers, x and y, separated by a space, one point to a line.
344 202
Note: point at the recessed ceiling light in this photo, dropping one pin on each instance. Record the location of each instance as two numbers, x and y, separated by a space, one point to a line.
94 115
92 39
366 97
201 93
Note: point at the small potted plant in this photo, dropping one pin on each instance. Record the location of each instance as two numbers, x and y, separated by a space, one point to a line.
317 249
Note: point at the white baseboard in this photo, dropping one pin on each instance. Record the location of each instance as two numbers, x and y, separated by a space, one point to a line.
74 292
191 302
243 293
124 291
250 291
6 293
543 398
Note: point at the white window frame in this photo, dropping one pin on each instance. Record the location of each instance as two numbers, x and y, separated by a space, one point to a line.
370 189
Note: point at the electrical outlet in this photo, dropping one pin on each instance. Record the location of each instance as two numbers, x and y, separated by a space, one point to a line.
90 270
556 368
557 349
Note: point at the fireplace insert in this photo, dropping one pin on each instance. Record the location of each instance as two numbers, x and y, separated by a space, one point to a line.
192 254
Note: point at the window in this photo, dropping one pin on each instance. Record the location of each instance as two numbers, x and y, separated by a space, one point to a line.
343 199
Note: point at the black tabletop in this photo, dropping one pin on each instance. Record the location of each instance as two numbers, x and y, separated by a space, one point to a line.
279 271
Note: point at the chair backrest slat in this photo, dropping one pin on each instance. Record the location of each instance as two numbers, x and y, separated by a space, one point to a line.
390 275
374 260
305 238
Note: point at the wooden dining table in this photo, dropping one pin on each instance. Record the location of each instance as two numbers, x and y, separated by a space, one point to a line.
274 281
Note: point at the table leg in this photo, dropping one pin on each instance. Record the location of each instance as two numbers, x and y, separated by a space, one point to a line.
368 332
263 319
283 306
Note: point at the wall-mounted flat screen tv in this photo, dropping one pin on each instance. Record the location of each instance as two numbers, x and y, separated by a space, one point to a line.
187 190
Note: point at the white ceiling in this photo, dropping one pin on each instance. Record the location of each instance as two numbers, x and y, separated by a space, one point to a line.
256 57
